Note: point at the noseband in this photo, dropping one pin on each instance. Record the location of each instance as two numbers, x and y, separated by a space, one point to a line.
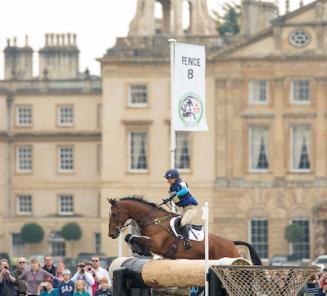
123 227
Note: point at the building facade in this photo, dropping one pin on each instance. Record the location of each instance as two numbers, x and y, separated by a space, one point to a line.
50 148
70 140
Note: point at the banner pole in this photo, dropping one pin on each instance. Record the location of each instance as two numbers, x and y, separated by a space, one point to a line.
172 81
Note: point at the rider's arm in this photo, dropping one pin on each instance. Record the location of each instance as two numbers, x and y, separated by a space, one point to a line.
184 189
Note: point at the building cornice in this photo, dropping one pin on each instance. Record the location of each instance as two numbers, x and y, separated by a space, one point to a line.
50 136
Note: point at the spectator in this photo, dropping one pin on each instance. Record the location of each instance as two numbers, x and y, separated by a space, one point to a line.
20 285
49 289
103 288
80 289
85 276
48 266
89 268
311 287
34 277
58 278
66 287
99 271
7 280
323 285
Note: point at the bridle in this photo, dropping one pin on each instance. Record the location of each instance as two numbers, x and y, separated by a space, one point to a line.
119 220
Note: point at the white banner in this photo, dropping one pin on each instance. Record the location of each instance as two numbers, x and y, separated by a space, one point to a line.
188 110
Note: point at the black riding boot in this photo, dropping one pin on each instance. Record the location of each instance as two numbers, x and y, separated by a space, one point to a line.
187 242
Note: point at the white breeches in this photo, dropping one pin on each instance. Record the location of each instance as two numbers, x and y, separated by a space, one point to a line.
189 212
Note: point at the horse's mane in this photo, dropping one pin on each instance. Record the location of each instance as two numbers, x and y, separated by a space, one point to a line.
141 200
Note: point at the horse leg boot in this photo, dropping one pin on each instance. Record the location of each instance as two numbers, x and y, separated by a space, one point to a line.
185 232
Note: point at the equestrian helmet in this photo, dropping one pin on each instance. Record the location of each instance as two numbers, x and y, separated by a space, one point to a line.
172 174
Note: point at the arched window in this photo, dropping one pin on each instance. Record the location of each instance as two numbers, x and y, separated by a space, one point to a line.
158 15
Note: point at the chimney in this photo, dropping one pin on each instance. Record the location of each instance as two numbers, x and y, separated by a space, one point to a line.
59 56
18 61
256 16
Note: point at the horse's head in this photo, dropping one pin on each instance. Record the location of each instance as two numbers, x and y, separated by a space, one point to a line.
117 218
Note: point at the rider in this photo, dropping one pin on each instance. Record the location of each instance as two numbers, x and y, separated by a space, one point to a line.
182 197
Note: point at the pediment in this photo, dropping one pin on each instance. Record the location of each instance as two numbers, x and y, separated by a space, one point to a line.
302 32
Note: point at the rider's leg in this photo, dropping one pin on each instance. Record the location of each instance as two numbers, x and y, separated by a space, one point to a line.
188 213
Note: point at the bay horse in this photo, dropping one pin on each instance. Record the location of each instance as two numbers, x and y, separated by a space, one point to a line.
156 234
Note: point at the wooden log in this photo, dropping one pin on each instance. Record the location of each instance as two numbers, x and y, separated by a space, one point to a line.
171 273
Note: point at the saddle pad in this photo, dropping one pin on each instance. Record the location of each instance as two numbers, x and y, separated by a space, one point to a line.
195 235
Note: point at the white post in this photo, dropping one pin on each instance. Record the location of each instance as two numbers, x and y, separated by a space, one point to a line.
172 78
120 245
205 217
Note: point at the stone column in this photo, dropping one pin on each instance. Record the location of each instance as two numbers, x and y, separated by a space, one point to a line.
280 97
221 136
320 147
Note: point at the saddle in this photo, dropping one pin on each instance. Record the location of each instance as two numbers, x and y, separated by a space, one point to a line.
196 232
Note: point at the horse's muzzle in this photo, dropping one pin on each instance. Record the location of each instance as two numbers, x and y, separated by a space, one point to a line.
115 234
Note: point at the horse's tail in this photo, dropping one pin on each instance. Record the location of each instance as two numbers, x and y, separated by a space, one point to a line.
254 256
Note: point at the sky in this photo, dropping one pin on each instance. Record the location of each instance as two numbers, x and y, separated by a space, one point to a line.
97 23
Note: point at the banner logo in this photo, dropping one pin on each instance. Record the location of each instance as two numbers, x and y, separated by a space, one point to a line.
190 108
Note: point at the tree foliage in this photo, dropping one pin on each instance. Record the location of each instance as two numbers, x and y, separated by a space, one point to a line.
228 23
293 233
71 231
32 233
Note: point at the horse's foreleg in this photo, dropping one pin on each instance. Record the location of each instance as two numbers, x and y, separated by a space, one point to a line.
139 244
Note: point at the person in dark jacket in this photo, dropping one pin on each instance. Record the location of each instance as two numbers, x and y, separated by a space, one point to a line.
7 280
103 289
66 287
180 194
48 266
311 287
20 285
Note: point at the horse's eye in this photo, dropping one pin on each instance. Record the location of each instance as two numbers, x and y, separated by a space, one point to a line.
113 215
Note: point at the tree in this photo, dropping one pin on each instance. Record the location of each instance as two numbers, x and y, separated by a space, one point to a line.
293 233
32 233
71 231
229 22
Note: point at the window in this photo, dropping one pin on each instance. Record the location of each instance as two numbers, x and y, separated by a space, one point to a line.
138 151
66 205
301 149
182 154
24 204
57 244
258 92
23 115
259 236
258 149
97 242
300 91
66 159
301 249
24 159
17 245
138 95
65 116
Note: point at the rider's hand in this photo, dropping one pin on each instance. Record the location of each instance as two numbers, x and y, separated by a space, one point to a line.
172 194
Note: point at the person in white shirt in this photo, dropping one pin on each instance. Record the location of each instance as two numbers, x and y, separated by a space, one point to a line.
99 271
85 276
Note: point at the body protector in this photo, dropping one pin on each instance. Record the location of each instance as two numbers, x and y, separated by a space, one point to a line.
182 196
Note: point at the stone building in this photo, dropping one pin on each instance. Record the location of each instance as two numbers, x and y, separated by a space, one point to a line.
50 147
261 166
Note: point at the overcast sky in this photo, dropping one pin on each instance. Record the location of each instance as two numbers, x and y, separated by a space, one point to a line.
96 22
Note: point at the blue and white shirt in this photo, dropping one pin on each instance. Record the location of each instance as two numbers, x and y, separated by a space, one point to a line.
66 288
183 193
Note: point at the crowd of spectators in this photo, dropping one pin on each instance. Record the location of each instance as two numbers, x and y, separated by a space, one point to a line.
31 278
316 285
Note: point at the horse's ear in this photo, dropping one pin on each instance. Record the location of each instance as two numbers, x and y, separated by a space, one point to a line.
112 201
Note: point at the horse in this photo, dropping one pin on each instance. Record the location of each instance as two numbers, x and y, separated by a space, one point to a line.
157 236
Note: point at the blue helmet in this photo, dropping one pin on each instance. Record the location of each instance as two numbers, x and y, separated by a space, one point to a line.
172 174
